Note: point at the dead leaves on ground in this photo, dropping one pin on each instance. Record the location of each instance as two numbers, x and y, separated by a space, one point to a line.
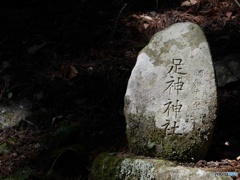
210 14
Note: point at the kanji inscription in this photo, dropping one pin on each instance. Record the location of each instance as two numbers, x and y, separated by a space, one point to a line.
174 86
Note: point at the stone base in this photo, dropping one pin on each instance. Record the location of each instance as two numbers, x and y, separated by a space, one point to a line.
113 167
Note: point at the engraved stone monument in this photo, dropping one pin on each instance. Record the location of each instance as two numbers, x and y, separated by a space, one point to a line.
171 98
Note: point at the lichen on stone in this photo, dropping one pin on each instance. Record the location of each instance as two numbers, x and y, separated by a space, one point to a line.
136 169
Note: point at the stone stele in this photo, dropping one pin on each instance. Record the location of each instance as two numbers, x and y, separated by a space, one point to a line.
171 98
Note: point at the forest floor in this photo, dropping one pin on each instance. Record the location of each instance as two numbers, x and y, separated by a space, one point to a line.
72 61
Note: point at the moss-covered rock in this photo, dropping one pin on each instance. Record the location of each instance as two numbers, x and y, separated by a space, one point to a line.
171 98
120 167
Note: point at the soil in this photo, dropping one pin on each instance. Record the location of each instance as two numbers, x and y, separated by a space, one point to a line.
72 61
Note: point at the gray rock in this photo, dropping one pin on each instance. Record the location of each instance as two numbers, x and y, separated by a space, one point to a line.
171 98
228 70
135 168
11 115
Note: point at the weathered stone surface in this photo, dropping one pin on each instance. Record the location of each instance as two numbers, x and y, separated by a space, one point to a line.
171 98
134 168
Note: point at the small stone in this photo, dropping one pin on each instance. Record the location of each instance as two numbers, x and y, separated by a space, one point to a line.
238 158
171 98
14 113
